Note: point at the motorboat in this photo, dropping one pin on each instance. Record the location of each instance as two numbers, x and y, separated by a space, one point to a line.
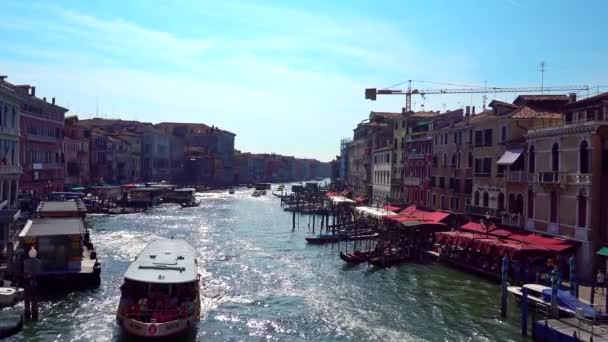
258 193
231 191
160 294
566 302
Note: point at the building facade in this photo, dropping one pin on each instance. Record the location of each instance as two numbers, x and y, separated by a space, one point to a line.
381 175
76 153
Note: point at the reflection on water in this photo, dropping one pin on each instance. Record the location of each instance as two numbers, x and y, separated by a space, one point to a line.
260 281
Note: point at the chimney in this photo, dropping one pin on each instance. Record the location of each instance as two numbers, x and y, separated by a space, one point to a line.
53 100
571 97
467 110
473 110
33 91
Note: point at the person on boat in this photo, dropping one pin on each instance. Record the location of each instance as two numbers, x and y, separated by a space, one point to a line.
600 279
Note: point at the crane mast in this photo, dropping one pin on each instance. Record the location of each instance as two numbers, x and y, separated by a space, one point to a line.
372 93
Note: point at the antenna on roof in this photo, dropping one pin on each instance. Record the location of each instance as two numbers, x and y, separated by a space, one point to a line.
96 106
542 76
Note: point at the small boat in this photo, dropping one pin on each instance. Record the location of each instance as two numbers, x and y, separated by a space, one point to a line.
390 258
258 193
281 188
160 294
231 191
323 238
567 304
9 296
356 257
191 204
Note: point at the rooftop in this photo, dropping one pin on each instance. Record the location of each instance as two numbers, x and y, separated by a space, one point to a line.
53 227
526 112
166 261
61 207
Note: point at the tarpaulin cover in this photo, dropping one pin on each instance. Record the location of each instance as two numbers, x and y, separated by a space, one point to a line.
510 156
374 212
566 300
341 199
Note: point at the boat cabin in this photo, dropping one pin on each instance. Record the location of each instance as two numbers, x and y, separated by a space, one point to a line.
107 192
181 195
60 242
263 186
70 208
144 196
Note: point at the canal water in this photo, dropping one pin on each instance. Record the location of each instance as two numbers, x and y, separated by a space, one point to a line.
261 282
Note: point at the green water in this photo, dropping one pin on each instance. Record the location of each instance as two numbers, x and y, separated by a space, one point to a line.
262 282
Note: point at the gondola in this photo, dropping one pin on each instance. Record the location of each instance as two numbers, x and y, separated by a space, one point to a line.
356 257
390 259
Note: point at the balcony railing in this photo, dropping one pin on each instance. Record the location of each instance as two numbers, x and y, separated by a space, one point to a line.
10 169
481 174
513 220
413 181
532 178
579 178
415 156
482 211
516 177
551 177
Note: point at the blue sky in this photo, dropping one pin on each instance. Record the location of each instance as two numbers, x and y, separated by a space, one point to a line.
288 77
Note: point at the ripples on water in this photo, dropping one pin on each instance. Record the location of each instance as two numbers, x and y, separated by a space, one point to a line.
262 282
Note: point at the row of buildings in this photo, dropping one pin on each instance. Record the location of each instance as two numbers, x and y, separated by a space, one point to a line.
539 163
42 149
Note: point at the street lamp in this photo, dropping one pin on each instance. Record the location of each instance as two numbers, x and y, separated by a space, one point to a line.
487 226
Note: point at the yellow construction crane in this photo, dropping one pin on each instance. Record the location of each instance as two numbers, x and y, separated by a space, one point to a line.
371 93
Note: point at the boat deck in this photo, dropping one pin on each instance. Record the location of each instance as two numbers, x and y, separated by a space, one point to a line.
567 327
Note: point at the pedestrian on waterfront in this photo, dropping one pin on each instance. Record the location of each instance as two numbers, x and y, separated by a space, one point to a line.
600 279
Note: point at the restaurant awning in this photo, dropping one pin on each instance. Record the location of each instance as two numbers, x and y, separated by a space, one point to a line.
391 208
603 251
510 156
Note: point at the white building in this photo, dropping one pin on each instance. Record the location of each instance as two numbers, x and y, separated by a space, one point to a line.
382 160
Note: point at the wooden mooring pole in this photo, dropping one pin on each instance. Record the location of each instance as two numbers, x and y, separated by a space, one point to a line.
503 292
524 311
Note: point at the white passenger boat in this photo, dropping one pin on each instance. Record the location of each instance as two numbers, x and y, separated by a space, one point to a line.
567 304
160 294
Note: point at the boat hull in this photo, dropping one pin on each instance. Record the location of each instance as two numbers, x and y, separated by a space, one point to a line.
166 329
355 258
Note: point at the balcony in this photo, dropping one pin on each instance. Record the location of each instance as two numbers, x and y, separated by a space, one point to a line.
481 174
481 211
579 178
412 181
10 169
513 220
551 177
516 177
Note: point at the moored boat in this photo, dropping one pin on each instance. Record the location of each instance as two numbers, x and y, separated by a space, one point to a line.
160 294
356 257
567 303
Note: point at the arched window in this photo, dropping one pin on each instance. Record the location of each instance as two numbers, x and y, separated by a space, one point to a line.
532 160
396 142
582 210
435 161
4 191
555 158
486 199
583 157
13 200
476 200
458 159
445 159
530 204
470 161
453 159
501 201
553 207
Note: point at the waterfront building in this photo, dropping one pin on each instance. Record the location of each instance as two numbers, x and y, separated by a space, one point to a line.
382 161
155 155
376 131
101 157
452 162
499 186
122 163
41 126
76 153
398 160
343 164
567 173
133 140
418 157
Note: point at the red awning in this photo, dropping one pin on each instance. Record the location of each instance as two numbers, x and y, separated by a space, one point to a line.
391 208
408 210
551 243
491 230
360 199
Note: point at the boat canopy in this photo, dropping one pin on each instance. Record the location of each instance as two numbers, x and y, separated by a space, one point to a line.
53 227
374 212
165 261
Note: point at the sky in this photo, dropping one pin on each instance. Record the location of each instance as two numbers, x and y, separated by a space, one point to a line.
289 76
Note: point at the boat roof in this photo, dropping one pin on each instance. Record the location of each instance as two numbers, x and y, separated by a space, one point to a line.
185 190
53 227
536 287
165 261
64 207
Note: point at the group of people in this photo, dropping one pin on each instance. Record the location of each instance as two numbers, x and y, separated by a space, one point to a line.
157 307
